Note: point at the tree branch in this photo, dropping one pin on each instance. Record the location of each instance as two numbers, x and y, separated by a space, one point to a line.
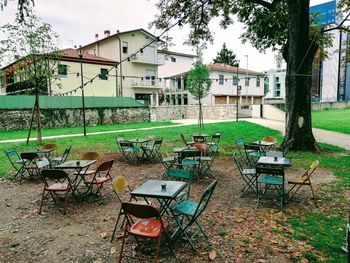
263 3
340 26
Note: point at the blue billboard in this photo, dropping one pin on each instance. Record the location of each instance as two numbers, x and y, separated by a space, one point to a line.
325 13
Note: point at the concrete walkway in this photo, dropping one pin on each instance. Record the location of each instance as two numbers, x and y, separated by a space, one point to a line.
329 137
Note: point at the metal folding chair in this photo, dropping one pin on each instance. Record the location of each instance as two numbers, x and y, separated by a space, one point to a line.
282 150
167 162
248 175
61 159
207 161
178 172
55 181
304 179
215 139
129 151
187 213
273 178
190 157
90 156
30 165
150 150
253 153
101 176
148 226
17 163
120 185
185 141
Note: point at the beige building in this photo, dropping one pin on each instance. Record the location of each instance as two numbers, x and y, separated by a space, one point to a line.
136 53
225 81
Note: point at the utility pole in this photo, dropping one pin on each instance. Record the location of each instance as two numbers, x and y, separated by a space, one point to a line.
80 54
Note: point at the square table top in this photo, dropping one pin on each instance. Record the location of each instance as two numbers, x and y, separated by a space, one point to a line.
41 150
139 140
264 143
72 164
275 161
153 189
200 135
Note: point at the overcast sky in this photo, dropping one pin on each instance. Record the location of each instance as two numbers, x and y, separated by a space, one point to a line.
77 22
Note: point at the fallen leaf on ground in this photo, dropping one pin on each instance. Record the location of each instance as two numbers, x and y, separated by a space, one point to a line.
212 255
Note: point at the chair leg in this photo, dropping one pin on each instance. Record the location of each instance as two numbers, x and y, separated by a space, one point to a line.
313 195
42 200
65 203
122 247
116 224
158 248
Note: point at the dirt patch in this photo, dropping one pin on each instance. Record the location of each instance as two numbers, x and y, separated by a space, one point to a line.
237 230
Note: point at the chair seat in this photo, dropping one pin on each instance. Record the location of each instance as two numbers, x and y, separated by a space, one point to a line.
169 159
274 154
249 171
275 180
186 207
298 180
57 187
56 159
99 180
131 150
256 154
205 159
21 161
87 172
189 162
149 227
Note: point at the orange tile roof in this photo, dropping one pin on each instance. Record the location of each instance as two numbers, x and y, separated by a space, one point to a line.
71 53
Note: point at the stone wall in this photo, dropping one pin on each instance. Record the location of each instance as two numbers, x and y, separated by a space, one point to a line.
210 112
20 119
331 105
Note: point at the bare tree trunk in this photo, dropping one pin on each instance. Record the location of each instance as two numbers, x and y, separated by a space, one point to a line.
299 55
200 115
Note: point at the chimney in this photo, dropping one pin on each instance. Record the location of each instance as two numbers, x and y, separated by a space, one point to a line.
96 37
107 33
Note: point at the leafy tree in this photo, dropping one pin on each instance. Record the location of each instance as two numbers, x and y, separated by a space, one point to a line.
225 56
198 83
24 7
278 24
33 46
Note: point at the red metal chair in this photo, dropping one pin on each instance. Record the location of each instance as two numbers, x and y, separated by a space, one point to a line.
149 226
101 176
55 181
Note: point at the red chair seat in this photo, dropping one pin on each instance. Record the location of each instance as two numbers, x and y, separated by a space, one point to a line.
99 180
149 227
57 187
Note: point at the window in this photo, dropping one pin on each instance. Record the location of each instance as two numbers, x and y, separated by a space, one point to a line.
173 59
221 79
258 82
247 82
104 73
125 47
62 71
235 81
150 77
178 83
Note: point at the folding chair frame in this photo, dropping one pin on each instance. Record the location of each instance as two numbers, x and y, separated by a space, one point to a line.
249 177
19 170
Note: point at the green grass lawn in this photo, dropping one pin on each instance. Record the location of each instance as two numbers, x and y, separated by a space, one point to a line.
334 120
19 134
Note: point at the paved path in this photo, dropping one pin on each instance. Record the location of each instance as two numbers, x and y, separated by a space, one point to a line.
334 138
329 137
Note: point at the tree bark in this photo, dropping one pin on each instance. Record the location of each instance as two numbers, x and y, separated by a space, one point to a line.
299 55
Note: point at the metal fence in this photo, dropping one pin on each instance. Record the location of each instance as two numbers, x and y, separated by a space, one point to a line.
69 102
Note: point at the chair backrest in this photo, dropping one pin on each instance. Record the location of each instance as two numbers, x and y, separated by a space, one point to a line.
190 153
240 146
125 144
251 147
205 199
30 156
215 138
311 169
49 146
179 173
13 156
118 140
158 143
269 139
91 156
119 184
198 139
66 153
270 170
286 146
140 210
238 163
183 138
54 174
43 162
105 166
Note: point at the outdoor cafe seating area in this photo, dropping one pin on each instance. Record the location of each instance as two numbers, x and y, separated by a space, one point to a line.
161 208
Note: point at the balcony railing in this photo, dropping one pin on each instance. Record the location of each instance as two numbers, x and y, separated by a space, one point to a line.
147 83
144 59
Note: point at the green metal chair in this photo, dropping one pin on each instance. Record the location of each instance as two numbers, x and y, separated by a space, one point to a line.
149 151
129 151
190 157
253 153
282 150
167 162
178 172
273 178
17 163
248 175
60 159
187 213
207 161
